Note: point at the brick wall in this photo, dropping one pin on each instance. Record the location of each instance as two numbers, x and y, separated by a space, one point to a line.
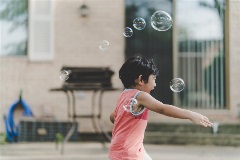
76 44
234 55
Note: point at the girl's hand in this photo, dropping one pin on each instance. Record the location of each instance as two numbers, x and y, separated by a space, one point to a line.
200 119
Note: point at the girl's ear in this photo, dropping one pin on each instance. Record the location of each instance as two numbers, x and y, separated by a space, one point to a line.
139 80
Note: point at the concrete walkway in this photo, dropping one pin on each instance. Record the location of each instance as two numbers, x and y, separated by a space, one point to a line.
95 151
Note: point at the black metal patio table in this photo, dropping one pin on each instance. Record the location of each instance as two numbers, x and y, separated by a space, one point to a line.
86 79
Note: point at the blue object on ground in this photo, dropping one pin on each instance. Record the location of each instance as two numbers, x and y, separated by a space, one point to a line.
11 127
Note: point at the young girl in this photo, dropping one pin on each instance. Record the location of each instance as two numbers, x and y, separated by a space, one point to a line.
138 76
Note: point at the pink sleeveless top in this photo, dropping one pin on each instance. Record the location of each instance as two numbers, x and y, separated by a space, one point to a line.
128 131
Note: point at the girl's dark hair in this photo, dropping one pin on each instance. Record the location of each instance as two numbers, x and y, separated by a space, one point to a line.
134 67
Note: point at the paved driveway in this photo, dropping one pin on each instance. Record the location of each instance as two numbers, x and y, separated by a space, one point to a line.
95 151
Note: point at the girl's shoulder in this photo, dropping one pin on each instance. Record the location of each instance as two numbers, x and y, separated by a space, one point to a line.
131 90
127 94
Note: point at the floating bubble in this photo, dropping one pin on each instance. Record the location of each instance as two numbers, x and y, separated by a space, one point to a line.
215 127
177 85
139 23
104 45
161 21
128 32
131 105
64 75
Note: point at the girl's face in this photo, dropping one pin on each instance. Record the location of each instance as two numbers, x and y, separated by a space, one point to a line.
148 87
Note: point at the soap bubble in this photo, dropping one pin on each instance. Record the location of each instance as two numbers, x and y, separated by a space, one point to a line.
131 105
104 45
161 21
64 75
177 85
139 23
128 32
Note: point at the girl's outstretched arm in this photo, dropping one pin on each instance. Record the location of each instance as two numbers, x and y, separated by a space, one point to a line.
151 103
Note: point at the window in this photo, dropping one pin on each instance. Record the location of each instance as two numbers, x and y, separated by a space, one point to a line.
197 41
13 27
200 54
27 28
